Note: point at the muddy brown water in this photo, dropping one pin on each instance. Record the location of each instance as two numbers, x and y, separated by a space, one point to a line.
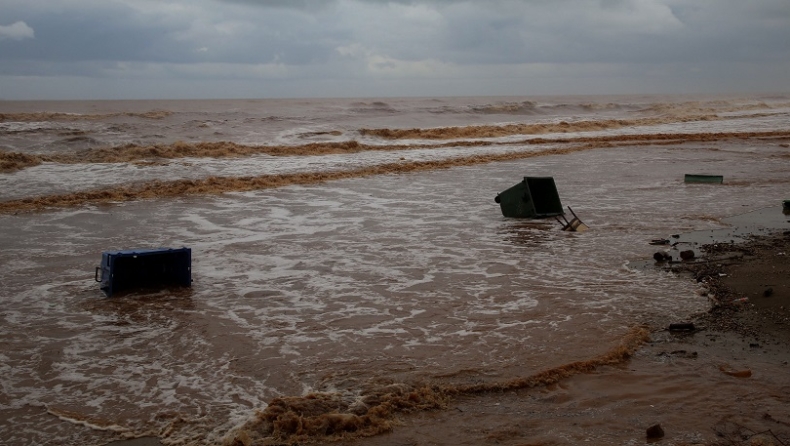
383 284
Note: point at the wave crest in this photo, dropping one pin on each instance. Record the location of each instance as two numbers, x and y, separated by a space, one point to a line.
12 161
512 108
57 116
331 416
494 131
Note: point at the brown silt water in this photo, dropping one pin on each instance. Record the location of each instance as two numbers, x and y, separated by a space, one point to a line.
354 280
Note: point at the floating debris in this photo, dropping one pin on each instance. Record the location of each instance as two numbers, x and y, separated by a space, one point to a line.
533 197
682 326
132 269
700 178
574 225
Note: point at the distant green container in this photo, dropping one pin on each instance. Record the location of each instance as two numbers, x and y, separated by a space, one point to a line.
698 178
533 197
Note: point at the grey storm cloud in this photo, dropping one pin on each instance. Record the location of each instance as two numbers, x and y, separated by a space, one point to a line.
370 40
499 31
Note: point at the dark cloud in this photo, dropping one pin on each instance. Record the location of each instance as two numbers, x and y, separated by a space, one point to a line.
352 39
112 32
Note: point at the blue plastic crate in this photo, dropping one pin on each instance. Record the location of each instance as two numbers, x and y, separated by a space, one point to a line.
136 269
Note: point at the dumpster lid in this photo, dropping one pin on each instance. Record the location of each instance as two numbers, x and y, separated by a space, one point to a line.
145 251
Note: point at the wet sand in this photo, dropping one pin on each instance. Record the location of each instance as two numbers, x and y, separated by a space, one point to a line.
145 441
750 289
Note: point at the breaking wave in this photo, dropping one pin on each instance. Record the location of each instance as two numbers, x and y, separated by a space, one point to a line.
494 131
218 185
332 416
372 107
708 107
513 108
676 109
55 116
13 161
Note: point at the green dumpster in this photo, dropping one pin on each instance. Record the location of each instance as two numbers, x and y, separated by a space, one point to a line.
533 197
700 178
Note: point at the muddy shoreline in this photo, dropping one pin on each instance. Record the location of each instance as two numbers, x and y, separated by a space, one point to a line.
749 287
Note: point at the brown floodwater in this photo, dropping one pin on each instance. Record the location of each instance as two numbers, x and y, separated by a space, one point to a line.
371 291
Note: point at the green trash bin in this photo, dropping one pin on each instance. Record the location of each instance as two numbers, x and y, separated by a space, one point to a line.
533 197
700 178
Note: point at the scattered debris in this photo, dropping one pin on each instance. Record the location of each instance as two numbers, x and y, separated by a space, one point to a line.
687 254
682 326
684 354
659 241
727 370
680 354
662 257
537 197
575 224
533 197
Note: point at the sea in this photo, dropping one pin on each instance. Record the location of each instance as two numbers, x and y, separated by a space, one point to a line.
354 280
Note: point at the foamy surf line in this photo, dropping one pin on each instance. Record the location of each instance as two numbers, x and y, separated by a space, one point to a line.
91 423
14 161
493 131
59 116
215 184
218 185
327 416
11 161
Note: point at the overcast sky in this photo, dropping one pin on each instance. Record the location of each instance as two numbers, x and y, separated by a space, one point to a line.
167 49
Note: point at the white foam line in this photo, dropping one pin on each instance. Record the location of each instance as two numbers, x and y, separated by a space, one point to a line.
111 427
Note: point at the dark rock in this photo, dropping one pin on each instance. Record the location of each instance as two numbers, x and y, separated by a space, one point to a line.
684 354
768 292
681 326
661 257
655 431
687 255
